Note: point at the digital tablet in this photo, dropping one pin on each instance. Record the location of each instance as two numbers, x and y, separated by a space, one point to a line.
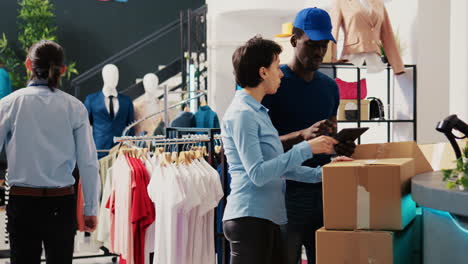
350 133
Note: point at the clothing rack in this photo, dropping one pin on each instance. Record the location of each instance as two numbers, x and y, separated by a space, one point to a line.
178 136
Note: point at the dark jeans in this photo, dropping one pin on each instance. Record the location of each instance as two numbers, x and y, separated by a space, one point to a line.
254 241
36 220
305 216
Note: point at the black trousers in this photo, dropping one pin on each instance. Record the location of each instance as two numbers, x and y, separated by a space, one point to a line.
36 220
305 217
254 241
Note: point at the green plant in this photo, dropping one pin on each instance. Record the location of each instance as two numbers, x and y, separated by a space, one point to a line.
36 21
459 175
400 46
11 62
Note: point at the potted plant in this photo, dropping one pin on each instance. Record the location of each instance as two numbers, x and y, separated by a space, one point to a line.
36 21
458 177
399 44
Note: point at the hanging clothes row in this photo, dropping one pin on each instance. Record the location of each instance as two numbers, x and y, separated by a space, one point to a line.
205 117
162 203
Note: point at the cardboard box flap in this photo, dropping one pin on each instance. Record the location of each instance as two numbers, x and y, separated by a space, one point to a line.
370 162
394 150
441 155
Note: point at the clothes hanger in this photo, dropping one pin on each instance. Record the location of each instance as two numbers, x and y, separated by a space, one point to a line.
218 146
203 101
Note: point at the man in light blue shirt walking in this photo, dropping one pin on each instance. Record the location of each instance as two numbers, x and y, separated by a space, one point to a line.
46 132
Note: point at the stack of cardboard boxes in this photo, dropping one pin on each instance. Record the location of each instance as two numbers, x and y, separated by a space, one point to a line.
369 214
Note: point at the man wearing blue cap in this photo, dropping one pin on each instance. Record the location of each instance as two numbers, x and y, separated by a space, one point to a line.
305 107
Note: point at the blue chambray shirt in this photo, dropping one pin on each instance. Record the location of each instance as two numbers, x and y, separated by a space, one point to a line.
258 164
46 134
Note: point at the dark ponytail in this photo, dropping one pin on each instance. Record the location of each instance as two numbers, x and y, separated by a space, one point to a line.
47 58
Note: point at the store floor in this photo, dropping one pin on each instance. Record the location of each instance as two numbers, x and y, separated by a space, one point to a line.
83 248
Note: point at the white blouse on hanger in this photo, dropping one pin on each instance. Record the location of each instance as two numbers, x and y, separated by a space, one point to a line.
185 196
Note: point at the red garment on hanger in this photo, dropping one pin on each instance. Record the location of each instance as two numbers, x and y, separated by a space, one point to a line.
142 211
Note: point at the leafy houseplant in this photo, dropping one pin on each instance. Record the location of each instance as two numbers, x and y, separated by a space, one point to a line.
400 46
36 21
459 175
12 62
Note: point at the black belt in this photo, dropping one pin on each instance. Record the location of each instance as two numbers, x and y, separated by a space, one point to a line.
41 192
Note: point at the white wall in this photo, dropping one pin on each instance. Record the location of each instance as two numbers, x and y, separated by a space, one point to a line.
433 40
433 59
459 59
226 6
232 23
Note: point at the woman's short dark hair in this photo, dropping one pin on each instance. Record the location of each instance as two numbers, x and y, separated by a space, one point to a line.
47 58
250 57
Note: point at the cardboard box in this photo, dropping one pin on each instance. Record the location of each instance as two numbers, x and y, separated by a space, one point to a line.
394 150
364 109
441 155
368 194
366 247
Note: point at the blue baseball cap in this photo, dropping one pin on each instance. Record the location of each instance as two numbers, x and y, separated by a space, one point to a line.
316 23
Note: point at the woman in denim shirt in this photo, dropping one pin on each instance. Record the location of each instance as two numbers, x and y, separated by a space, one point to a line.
257 163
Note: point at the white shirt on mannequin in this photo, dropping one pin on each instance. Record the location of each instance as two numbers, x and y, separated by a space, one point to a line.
114 100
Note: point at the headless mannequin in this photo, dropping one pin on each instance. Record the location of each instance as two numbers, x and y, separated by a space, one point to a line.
109 112
148 103
150 84
110 77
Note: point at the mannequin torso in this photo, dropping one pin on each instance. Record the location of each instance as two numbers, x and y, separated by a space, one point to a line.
148 103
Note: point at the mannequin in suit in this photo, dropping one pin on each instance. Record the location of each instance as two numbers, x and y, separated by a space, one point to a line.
109 112
365 24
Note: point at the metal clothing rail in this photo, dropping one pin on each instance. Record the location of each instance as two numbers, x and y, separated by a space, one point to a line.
160 141
125 132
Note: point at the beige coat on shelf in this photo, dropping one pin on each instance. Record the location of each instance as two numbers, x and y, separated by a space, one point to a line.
364 30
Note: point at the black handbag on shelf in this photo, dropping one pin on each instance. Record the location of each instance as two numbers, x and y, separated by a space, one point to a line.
376 109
